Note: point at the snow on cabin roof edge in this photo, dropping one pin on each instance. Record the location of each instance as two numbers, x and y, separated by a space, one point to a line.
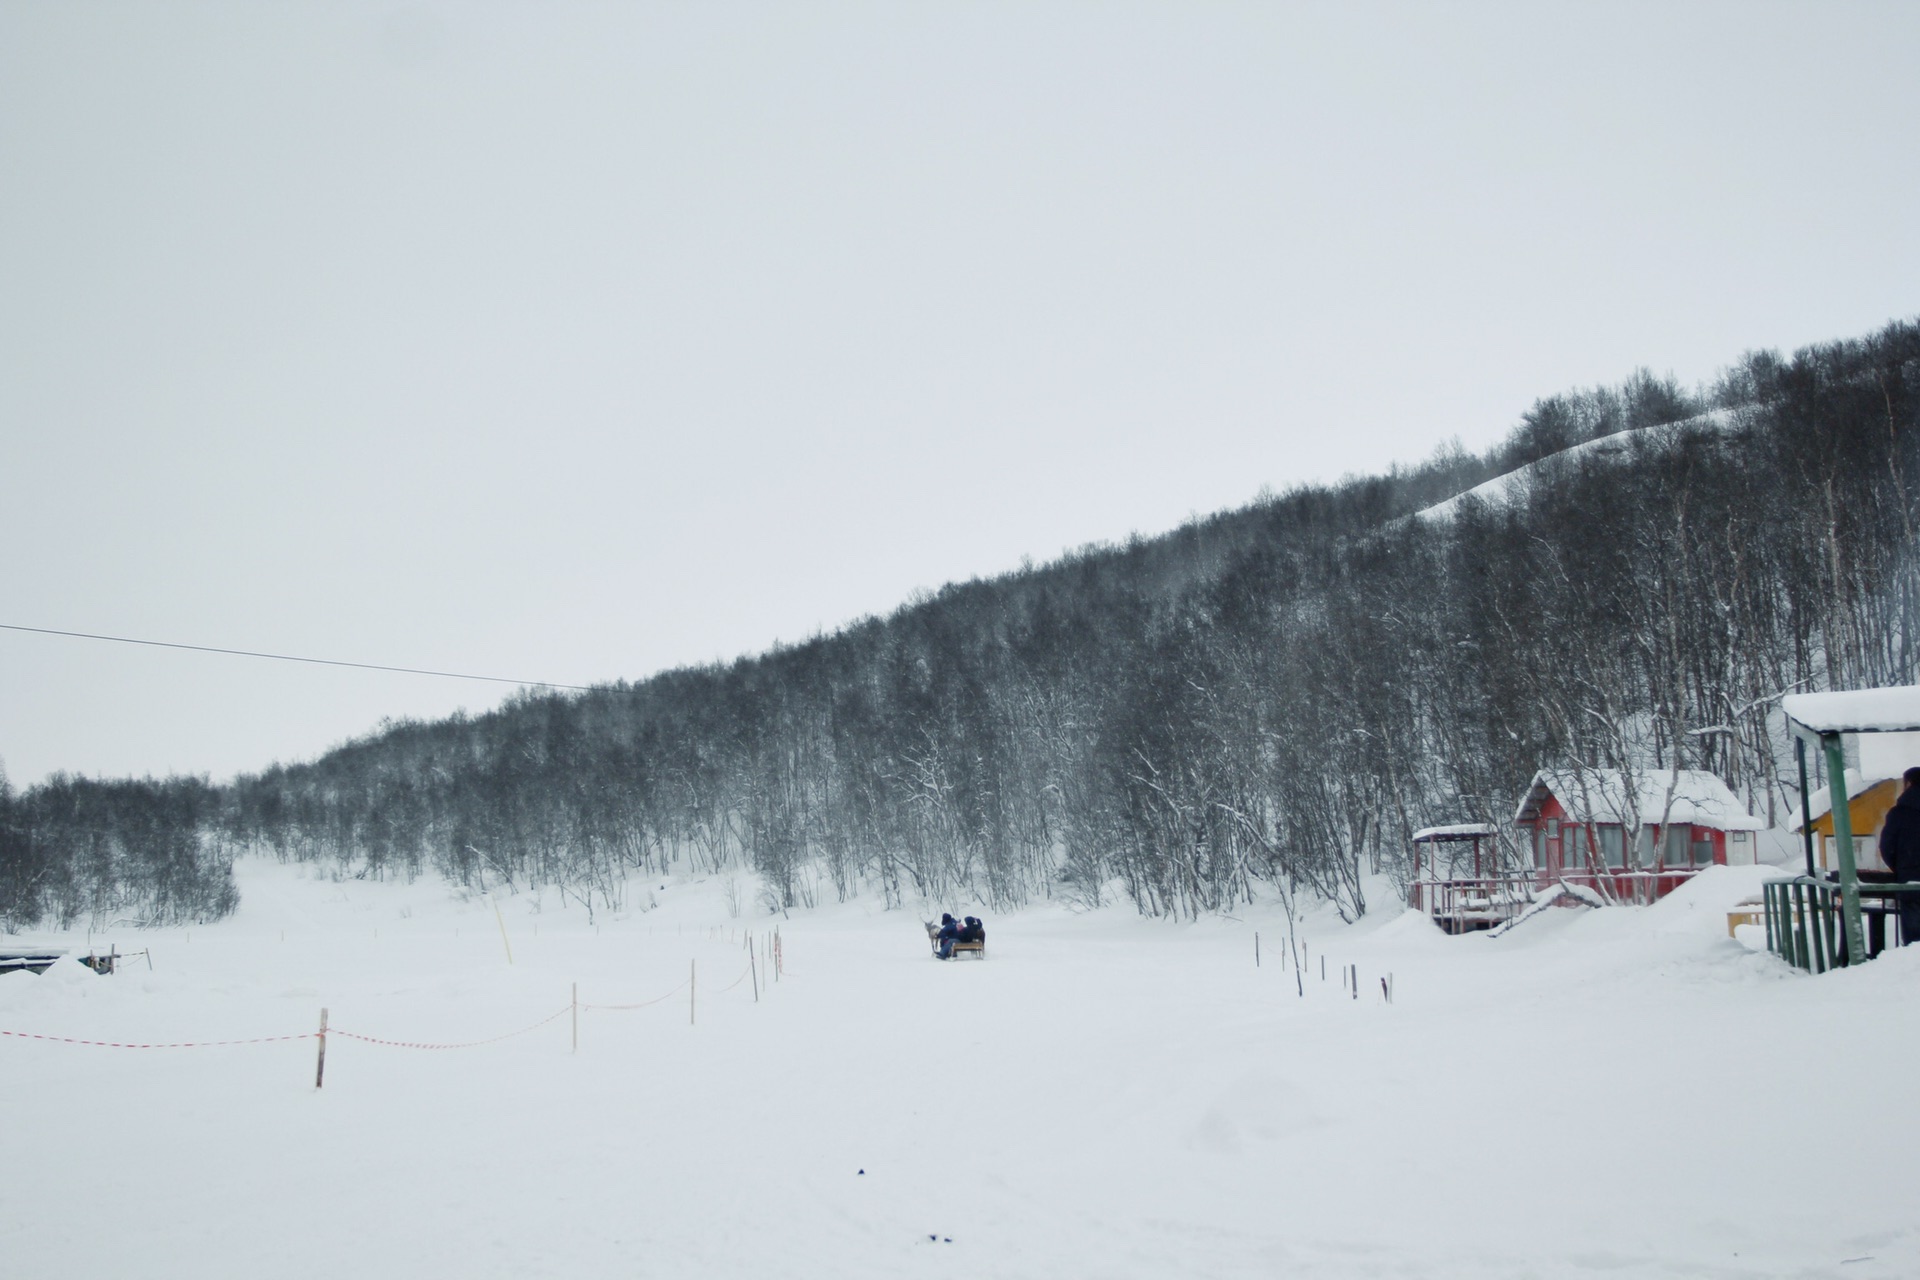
1859 782
1455 831
1700 798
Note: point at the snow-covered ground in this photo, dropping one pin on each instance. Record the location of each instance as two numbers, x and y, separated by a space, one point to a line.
1623 1091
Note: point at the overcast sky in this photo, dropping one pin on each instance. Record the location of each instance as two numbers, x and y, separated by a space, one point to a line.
571 342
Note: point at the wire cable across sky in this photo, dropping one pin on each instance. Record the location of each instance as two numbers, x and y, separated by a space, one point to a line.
288 657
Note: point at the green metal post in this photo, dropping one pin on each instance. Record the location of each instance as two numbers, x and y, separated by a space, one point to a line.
1802 937
1806 805
1843 840
1786 925
1817 951
1802 929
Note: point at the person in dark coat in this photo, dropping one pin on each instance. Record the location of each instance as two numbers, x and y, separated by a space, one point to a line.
973 931
948 935
1900 850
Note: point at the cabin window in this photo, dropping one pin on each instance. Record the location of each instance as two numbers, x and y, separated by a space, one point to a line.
1613 846
1539 847
1866 851
1676 850
1643 847
1573 850
1702 847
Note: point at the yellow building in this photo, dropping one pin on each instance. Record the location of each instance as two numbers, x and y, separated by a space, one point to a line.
1868 799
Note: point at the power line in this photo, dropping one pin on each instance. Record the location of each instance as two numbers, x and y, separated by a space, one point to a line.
287 657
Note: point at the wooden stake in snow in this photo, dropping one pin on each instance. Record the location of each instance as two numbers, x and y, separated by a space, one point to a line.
1256 948
1355 984
756 977
320 1068
503 928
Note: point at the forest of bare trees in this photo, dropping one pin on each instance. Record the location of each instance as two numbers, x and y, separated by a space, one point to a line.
1266 701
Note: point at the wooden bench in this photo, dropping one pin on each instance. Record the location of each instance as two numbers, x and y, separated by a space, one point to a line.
1748 911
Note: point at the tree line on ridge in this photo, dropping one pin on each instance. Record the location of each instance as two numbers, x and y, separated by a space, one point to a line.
1269 700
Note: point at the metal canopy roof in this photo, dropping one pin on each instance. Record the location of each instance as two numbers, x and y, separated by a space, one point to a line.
1895 710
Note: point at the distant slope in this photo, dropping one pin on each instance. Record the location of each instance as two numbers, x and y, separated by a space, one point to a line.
1268 700
1504 488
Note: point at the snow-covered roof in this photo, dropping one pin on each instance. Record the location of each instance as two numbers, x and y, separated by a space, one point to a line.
1458 831
1602 795
1858 784
1892 710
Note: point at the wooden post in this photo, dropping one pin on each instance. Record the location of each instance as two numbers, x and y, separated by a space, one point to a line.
1355 984
320 1068
576 1017
756 977
503 927
1256 948
1323 968
693 974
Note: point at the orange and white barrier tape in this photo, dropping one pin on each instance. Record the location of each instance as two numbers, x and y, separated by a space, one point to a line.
463 1044
179 1044
644 1004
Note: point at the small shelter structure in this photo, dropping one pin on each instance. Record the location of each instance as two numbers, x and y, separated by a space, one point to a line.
1816 921
1456 879
1634 837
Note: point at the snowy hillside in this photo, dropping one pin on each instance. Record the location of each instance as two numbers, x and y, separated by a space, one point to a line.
1104 1096
1504 489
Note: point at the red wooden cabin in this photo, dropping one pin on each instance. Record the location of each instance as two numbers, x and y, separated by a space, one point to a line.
1636 838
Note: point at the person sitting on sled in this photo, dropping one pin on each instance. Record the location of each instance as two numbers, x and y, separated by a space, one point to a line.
973 931
948 935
